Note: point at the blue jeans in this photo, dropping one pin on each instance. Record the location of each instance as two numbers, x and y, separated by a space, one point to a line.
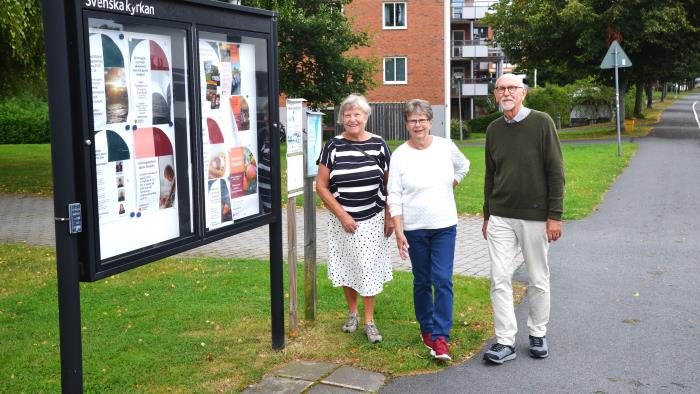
432 255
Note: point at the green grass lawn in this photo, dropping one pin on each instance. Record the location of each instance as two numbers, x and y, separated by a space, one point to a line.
590 171
203 325
26 169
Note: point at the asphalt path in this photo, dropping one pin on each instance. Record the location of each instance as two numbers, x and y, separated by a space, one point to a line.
625 287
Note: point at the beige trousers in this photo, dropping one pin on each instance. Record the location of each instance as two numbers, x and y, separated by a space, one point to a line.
506 237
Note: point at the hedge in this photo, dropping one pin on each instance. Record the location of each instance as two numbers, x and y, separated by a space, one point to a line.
24 120
479 125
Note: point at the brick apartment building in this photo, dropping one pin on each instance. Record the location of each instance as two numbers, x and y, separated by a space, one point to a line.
430 49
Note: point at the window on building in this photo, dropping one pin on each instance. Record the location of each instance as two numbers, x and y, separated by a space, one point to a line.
480 33
457 9
395 15
395 70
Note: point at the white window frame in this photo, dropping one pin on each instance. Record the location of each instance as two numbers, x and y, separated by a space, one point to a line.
404 82
405 11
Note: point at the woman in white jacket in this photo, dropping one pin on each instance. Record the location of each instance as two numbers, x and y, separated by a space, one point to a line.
422 174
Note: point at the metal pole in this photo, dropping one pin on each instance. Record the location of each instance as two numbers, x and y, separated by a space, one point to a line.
68 302
535 78
617 106
62 154
459 104
276 280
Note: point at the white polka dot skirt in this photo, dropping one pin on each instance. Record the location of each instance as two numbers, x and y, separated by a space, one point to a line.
360 260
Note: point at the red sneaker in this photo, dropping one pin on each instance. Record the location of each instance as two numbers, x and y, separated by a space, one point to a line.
427 339
441 351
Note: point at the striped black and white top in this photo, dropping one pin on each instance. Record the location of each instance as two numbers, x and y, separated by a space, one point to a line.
356 181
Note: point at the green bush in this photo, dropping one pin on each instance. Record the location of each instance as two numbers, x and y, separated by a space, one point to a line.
479 125
552 99
454 129
24 120
630 98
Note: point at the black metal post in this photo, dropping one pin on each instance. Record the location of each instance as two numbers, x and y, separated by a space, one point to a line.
276 285
62 146
276 263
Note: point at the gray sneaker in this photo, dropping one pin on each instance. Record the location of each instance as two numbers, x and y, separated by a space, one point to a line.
538 347
499 354
351 324
372 333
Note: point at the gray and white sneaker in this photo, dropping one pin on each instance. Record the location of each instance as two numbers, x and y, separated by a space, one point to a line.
538 347
372 333
499 354
351 324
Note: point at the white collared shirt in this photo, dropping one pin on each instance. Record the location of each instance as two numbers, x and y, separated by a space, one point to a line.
522 114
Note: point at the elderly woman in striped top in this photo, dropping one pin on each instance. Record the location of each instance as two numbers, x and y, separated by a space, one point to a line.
352 175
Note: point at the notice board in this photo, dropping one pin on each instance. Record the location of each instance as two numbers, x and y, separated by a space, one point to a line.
170 132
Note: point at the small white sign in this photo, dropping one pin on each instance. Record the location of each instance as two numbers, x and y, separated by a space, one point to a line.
295 175
295 126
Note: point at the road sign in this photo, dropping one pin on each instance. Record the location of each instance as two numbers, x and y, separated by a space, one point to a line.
615 55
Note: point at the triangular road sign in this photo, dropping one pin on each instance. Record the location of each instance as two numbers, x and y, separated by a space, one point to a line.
609 59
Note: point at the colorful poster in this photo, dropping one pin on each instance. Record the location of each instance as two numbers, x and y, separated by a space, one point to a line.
227 77
134 136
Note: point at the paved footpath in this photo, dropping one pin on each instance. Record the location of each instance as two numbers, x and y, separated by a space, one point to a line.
625 287
29 219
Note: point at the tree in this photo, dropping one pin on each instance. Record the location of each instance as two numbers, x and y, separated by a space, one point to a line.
567 39
314 38
22 47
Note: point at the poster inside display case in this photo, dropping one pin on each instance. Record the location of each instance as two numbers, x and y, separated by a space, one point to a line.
133 70
230 122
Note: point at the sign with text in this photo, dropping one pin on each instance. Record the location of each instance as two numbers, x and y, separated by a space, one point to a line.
314 140
295 147
175 121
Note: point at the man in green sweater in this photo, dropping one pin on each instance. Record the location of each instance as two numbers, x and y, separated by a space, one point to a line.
523 204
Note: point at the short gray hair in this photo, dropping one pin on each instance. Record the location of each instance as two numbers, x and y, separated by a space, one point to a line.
417 106
355 100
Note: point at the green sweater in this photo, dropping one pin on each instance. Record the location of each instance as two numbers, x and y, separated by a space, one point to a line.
524 169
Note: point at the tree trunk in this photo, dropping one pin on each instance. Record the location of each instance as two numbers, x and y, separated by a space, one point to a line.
664 92
624 86
650 94
638 98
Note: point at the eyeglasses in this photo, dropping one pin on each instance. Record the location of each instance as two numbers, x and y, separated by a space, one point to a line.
416 122
511 89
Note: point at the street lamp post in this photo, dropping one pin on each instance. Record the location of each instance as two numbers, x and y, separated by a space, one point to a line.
458 80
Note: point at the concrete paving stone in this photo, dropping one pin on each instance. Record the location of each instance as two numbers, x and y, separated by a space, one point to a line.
355 378
306 370
328 389
278 385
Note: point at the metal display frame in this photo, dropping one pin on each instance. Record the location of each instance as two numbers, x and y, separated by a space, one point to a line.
73 160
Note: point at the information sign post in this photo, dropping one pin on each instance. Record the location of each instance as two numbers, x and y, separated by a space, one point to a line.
295 187
312 148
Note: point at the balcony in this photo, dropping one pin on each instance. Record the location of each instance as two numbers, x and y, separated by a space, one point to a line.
472 87
470 48
470 10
